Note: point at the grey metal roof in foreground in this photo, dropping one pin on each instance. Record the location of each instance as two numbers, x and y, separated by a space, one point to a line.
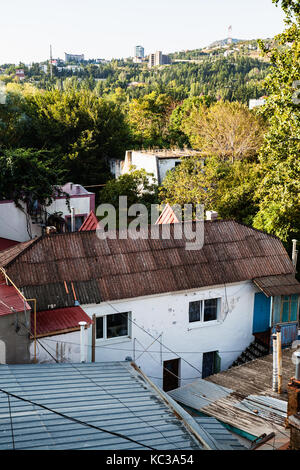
116 397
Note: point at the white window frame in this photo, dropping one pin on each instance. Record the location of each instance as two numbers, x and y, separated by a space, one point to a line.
116 338
202 303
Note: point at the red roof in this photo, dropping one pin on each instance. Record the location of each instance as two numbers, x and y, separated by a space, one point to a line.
50 322
10 299
167 216
6 243
90 222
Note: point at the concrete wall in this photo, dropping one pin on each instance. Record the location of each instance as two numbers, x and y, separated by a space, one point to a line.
142 161
13 224
166 164
168 315
64 348
15 349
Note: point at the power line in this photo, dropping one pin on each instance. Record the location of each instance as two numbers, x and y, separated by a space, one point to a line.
46 338
76 420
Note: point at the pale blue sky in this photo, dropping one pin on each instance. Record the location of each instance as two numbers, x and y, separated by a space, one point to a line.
111 28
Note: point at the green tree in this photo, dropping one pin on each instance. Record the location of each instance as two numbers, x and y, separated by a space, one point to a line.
28 175
279 190
138 185
84 130
229 130
223 186
148 118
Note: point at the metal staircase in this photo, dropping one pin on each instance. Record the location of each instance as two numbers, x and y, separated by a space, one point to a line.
254 351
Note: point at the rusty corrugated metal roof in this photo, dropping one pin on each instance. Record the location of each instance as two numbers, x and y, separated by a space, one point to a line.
113 269
10 299
285 284
8 255
50 322
90 222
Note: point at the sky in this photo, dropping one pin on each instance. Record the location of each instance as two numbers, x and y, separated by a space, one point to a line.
112 28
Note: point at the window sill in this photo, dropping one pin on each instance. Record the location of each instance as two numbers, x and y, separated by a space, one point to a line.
119 339
204 324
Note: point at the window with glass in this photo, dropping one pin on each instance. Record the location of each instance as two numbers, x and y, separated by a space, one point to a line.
112 326
285 308
204 310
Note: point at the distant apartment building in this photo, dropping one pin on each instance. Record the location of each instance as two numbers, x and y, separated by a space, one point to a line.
158 58
139 52
74 57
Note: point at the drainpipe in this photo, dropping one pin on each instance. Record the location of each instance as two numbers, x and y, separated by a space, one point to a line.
294 253
275 373
82 340
72 219
279 359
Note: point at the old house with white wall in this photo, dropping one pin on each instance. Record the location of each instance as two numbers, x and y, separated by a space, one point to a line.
178 314
158 162
29 222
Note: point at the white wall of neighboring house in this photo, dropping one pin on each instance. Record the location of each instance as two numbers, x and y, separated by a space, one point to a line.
150 162
166 164
13 223
168 315
65 348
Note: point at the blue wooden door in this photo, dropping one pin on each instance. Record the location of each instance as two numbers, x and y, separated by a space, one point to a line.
261 315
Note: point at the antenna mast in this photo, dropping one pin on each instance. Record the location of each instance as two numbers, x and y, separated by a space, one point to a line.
51 65
229 40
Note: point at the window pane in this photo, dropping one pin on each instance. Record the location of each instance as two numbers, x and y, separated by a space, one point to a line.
276 309
194 311
285 311
210 309
294 308
99 327
117 325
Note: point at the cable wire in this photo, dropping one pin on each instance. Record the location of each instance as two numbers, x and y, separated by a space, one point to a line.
75 419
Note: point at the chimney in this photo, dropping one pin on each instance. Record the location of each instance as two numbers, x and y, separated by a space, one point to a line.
294 424
294 253
82 340
293 414
294 388
211 215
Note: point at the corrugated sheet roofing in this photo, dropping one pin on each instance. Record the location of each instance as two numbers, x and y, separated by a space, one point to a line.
285 284
8 255
6 243
242 397
58 320
225 439
10 299
90 222
112 269
167 216
112 396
